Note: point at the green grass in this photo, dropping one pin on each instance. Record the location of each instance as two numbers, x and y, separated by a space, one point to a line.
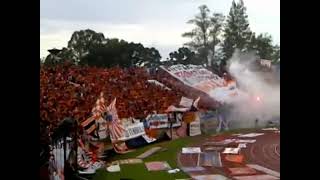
139 171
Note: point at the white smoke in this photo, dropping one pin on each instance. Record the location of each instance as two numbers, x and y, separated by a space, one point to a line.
257 98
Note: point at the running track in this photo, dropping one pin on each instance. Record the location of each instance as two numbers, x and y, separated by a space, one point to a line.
264 152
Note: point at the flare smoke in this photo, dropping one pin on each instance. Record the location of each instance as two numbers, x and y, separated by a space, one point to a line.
257 98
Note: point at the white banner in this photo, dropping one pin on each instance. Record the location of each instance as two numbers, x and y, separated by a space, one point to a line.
186 102
191 74
175 109
133 131
204 80
265 63
159 121
231 151
191 150
195 128
148 139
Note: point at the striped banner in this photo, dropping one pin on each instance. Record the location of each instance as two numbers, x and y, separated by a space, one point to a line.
115 128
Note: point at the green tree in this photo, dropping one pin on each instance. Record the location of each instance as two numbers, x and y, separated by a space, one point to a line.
183 56
117 52
237 34
215 30
276 54
64 55
150 57
84 40
200 34
262 45
86 47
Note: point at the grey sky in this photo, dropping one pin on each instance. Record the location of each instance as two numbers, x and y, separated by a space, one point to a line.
157 23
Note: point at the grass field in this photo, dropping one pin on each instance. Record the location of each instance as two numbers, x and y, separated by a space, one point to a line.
139 171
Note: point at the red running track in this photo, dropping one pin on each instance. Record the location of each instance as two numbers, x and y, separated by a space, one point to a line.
264 152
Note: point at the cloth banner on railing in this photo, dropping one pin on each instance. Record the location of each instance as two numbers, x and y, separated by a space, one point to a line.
159 121
132 131
209 121
194 127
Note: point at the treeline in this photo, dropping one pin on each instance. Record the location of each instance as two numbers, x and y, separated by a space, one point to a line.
213 40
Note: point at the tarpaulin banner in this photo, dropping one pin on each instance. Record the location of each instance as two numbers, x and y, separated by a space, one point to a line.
202 79
191 74
209 121
159 121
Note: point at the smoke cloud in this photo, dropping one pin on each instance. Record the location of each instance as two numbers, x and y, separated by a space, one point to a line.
257 98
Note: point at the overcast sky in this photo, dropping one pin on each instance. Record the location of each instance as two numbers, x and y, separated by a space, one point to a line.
157 23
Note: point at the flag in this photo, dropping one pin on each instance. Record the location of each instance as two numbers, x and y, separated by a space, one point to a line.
196 102
116 129
100 107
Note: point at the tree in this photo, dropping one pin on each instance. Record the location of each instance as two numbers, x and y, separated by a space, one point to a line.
83 40
201 33
262 45
276 54
183 56
86 47
215 30
237 34
117 52
64 55
150 57
216 63
110 54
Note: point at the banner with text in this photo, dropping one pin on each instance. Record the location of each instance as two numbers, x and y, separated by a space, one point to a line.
204 80
159 121
132 131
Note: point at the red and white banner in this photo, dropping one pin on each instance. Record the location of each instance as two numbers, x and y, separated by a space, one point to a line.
116 128
191 74
204 80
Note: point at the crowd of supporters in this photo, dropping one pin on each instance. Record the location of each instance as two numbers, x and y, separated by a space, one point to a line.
71 91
